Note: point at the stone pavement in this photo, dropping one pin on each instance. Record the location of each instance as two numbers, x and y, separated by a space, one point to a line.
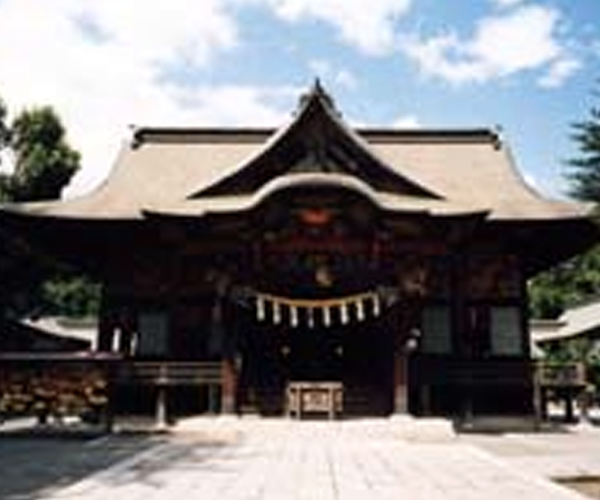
572 453
34 465
261 459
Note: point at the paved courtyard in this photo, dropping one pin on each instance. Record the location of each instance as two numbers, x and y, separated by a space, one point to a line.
229 459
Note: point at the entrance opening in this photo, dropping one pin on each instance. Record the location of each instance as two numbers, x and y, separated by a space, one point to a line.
359 355
315 354
321 300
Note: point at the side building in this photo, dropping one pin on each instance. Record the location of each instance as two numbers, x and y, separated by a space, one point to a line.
392 263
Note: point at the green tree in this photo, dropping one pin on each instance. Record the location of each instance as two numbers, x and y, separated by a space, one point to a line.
585 169
567 284
70 294
44 163
578 279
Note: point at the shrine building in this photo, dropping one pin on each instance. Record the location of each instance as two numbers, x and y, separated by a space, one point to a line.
390 265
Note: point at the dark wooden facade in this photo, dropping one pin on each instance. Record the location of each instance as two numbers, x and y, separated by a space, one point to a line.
316 261
451 313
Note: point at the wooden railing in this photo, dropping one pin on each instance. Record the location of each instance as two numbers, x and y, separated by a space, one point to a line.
58 385
472 372
168 373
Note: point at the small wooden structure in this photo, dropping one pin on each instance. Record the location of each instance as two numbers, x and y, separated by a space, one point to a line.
310 398
565 382
392 263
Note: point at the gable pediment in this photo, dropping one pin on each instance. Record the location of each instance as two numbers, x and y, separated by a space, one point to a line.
317 140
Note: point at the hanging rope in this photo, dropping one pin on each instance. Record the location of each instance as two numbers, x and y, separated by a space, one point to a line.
316 303
356 307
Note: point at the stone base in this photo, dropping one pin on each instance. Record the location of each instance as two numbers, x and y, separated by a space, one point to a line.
422 429
499 424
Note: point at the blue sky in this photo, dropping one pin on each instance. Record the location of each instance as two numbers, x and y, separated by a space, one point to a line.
528 66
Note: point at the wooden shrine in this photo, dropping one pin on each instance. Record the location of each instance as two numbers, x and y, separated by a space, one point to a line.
390 264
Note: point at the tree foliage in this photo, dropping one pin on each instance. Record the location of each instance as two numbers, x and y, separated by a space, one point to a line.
570 283
70 295
585 169
43 164
4 131
577 280
4 138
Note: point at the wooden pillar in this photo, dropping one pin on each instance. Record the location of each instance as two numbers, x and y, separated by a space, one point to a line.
570 406
402 326
461 329
400 381
161 407
161 398
105 329
229 381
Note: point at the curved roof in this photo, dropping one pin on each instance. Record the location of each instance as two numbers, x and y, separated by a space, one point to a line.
192 171
385 201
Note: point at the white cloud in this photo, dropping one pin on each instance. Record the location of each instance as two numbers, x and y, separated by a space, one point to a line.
346 79
235 105
524 39
369 27
560 71
102 66
164 30
406 122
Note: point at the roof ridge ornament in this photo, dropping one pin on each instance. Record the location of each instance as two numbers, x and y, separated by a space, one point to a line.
317 92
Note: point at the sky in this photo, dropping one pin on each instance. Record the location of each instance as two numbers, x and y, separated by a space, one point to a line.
527 67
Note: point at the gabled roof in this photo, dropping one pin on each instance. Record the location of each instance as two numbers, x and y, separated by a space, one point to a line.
316 140
194 171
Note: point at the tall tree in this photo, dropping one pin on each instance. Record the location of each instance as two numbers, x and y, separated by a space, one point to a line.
578 279
43 164
585 169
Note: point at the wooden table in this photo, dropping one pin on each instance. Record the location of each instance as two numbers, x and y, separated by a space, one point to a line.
323 397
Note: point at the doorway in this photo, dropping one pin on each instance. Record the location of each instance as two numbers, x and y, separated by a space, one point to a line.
360 355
